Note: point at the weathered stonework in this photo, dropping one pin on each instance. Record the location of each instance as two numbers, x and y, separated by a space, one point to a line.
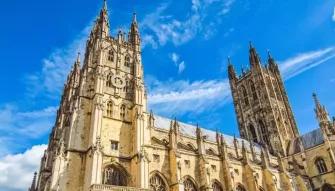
105 139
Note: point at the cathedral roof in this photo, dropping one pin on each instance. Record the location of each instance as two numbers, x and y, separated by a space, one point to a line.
190 131
307 140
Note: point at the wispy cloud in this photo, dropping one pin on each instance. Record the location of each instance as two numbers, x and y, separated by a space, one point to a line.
182 96
50 79
333 17
28 125
304 61
163 28
180 64
17 170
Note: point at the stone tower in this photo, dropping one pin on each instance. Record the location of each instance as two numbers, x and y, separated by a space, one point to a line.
101 114
263 111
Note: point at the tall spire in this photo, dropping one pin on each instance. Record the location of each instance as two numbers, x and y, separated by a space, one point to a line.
231 70
101 27
320 110
253 56
33 183
134 34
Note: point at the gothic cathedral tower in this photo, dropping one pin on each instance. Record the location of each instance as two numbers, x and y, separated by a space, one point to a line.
263 111
101 119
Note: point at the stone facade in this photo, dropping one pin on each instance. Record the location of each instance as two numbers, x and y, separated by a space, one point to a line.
105 139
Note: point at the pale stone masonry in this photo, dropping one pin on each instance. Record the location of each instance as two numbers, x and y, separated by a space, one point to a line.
104 138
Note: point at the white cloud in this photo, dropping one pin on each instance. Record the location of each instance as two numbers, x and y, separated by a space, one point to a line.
181 67
50 80
333 15
17 170
180 97
175 57
166 28
27 125
304 61
177 62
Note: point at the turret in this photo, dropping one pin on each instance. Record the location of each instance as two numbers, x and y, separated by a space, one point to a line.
101 27
272 63
134 34
253 57
323 117
33 183
231 71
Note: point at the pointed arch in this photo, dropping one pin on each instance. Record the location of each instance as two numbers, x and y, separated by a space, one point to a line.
123 111
111 56
109 110
217 186
158 182
245 96
264 132
253 90
320 165
327 187
240 187
252 133
189 184
109 80
127 60
211 151
115 174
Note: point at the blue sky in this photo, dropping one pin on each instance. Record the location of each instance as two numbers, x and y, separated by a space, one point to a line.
185 46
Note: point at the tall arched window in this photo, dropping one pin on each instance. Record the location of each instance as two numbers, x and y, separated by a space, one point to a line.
127 61
321 165
109 80
115 176
252 132
110 109
157 183
111 55
189 185
264 132
216 186
245 96
123 111
240 188
253 90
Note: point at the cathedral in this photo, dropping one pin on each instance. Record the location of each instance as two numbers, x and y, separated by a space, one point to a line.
105 139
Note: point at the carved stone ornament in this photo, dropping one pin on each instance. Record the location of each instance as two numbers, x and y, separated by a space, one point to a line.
118 81
97 146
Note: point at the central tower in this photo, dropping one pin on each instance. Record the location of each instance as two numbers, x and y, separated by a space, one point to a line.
263 111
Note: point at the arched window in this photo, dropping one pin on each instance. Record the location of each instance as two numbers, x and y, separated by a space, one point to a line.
321 165
264 132
127 61
245 96
111 55
115 176
157 183
110 109
240 188
252 132
189 185
109 80
217 186
253 90
123 111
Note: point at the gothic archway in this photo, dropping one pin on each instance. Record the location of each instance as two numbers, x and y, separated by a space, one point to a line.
327 187
240 188
157 183
114 175
217 186
189 185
